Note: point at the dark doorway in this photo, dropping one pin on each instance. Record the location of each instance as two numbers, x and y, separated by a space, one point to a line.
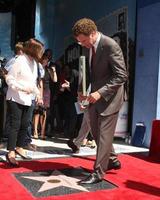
23 20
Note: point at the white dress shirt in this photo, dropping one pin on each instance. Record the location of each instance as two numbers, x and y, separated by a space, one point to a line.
95 47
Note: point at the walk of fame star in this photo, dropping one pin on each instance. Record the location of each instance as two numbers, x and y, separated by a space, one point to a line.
57 179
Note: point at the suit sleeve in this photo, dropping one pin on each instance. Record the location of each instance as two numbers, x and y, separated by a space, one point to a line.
119 72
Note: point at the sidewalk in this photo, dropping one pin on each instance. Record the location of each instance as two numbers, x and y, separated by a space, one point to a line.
57 147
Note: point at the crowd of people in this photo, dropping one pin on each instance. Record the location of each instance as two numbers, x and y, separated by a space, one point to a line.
41 94
50 103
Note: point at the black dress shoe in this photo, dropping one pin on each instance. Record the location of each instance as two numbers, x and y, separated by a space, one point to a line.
74 148
91 179
114 165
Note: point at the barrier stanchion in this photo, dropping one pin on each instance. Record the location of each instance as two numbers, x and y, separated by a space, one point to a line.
154 149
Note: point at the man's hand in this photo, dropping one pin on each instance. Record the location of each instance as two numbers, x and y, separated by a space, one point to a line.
81 97
93 97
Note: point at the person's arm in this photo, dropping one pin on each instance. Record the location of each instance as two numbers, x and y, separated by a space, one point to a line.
53 74
118 77
119 71
39 98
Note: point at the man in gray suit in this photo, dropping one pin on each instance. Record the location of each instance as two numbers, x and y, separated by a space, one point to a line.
107 76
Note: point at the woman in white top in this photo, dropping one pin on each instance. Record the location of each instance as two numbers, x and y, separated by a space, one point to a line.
21 80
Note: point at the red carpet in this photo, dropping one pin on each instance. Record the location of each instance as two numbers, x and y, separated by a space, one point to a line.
139 179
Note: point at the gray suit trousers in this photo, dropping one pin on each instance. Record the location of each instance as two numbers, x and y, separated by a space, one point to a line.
103 129
84 130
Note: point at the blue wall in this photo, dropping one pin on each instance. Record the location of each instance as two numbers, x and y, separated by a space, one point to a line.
44 23
55 18
5 34
62 14
67 12
147 65
148 31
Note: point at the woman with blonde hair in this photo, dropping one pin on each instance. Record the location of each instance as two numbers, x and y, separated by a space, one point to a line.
21 80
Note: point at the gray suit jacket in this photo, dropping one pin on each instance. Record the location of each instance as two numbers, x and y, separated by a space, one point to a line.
108 75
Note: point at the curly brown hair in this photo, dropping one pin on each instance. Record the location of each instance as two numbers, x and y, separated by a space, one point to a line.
84 26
